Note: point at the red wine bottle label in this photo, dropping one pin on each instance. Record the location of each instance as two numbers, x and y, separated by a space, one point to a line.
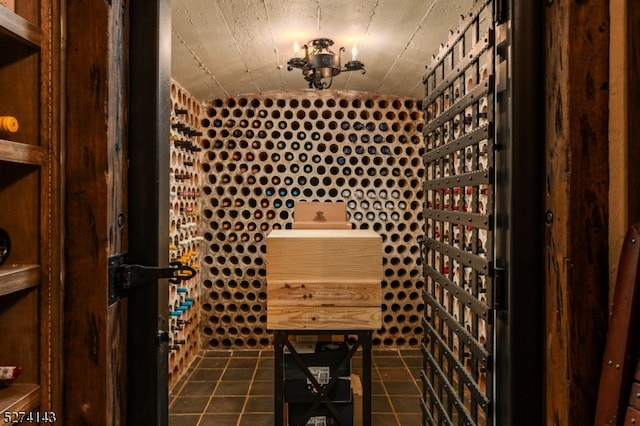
9 372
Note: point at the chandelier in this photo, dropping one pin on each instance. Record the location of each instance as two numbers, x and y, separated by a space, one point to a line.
319 64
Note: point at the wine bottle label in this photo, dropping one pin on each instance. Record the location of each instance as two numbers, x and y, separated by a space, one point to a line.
9 372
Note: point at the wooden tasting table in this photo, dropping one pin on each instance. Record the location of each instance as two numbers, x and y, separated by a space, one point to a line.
323 282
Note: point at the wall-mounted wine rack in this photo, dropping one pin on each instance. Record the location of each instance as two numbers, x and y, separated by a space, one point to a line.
184 237
457 373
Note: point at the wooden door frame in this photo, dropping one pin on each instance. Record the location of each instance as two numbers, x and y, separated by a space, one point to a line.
576 189
109 112
519 213
91 233
149 115
633 106
95 167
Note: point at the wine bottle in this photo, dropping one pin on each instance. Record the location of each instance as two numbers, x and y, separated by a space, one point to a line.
5 245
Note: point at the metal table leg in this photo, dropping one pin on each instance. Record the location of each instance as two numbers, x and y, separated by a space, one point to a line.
365 341
279 338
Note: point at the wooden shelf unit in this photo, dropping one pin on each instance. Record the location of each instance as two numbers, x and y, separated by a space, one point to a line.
19 397
29 283
20 28
14 278
21 153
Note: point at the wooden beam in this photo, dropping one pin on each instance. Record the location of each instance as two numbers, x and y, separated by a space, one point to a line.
94 377
148 210
576 198
633 79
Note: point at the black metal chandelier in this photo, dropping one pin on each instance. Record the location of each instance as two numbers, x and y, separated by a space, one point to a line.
319 64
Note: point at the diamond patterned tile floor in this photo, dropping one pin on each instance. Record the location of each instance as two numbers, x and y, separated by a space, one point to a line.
235 388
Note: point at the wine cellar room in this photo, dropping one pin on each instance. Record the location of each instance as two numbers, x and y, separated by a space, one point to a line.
269 144
318 212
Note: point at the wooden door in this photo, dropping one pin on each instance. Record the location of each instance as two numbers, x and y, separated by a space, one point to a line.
117 126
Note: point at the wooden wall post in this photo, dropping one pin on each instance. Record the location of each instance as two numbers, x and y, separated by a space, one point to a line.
96 96
633 94
576 200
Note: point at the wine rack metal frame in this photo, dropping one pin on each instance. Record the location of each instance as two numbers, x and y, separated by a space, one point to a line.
457 247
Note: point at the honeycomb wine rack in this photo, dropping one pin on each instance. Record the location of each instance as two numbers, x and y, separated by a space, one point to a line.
264 152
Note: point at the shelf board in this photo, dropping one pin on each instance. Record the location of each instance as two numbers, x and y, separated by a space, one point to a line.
16 152
17 27
18 277
19 397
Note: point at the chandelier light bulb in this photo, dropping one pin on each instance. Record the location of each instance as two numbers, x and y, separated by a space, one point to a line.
296 49
354 53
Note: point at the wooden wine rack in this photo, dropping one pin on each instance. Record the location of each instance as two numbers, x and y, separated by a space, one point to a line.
184 216
29 278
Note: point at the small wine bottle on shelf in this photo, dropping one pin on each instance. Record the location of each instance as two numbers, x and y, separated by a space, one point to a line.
5 245
8 373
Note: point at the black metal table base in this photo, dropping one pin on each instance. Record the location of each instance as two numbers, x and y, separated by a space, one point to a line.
281 340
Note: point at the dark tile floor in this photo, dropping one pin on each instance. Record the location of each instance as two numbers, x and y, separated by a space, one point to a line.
235 388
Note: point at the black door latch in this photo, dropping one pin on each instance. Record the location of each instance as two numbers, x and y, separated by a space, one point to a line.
123 276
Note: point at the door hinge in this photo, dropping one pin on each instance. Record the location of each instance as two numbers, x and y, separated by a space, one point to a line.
123 276
500 292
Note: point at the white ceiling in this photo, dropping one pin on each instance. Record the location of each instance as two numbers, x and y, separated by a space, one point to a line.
223 48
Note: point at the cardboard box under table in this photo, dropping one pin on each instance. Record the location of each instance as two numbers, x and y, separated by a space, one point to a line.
323 363
324 279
